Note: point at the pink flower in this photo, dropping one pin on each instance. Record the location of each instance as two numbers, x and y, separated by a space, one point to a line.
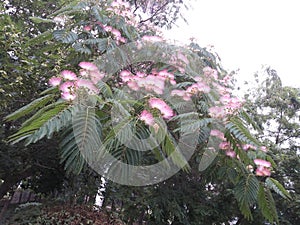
54 81
169 76
96 76
233 104
88 85
147 117
217 112
68 75
122 39
218 134
152 83
224 145
159 104
248 146
68 96
152 38
262 171
209 72
261 162
88 66
87 28
125 73
181 93
107 28
133 85
116 33
231 153
264 148
67 86
202 87
198 87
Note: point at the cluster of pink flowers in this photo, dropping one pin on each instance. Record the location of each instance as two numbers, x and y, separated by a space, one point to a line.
210 73
68 82
156 103
228 150
154 82
164 108
122 8
147 117
115 33
152 38
217 133
232 104
263 167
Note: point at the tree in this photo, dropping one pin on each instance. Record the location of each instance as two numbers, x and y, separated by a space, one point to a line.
276 110
184 93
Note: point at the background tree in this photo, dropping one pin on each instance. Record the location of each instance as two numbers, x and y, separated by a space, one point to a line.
276 109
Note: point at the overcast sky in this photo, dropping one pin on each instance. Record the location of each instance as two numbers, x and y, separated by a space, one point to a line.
247 34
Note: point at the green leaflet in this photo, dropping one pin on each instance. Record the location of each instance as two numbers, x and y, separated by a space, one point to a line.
34 105
55 124
246 193
266 204
277 187
82 140
47 35
67 37
68 7
194 125
238 129
169 147
37 120
40 20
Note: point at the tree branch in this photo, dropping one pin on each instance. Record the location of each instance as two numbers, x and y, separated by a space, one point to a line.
155 13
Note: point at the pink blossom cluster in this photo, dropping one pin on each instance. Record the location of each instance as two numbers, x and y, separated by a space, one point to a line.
217 133
228 150
68 82
179 61
232 104
152 38
247 147
263 167
154 82
210 73
156 103
115 33
123 9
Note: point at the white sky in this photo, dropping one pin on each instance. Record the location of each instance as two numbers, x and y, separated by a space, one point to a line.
247 34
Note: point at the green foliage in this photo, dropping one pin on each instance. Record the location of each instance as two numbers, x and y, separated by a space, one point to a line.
277 187
240 131
27 109
267 204
246 194
67 37
41 120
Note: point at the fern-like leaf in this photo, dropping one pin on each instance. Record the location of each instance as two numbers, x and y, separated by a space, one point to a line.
239 130
266 204
277 187
65 36
27 109
190 126
55 124
37 121
246 193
